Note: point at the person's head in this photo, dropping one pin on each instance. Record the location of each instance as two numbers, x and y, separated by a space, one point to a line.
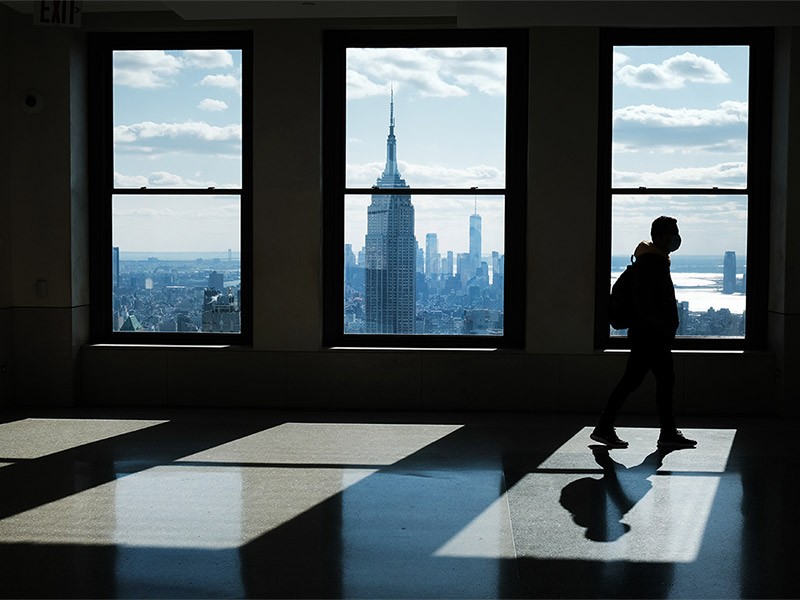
665 235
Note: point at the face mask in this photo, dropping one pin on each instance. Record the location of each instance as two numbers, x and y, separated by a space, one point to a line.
674 243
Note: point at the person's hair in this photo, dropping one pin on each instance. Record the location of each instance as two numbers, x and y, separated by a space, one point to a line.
663 225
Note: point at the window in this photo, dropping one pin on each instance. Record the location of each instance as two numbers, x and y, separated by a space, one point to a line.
425 138
684 133
171 187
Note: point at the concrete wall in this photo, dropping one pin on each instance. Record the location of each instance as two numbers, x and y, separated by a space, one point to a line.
46 207
287 366
784 299
6 324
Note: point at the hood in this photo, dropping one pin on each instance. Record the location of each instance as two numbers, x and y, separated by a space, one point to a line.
646 247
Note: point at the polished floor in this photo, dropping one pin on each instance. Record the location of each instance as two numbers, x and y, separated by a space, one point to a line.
228 504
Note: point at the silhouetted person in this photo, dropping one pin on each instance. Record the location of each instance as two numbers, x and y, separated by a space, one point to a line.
600 504
651 335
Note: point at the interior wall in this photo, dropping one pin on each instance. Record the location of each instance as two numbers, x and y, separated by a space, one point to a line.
47 201
287 365
784 299
287 183
562 189
6 323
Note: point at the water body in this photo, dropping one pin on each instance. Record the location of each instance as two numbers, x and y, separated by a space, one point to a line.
698 281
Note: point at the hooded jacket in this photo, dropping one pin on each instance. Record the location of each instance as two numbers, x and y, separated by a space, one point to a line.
655 310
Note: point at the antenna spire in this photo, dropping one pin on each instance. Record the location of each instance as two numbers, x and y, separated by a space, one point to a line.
391 109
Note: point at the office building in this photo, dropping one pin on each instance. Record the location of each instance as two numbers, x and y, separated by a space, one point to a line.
114 267
432 257
216 281
729 273
475 243
391 250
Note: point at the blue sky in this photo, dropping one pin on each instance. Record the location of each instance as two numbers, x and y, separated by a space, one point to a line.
177 123
680 119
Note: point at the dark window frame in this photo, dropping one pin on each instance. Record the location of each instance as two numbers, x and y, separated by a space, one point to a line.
335 189
757 191
101 180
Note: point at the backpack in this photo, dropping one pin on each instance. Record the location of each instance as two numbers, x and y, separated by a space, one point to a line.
620 303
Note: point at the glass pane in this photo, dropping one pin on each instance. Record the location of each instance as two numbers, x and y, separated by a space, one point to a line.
176 264
709 270
429 265
177 118
680 116
440 113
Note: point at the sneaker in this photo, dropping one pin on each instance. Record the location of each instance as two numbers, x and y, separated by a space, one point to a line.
608 436
675 439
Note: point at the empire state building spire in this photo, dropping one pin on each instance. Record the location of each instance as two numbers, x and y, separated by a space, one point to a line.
391 174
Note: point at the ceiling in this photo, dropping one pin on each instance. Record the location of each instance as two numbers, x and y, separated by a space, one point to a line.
469 13
262 9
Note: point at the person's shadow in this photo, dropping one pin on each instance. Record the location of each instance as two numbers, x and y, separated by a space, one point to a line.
600 504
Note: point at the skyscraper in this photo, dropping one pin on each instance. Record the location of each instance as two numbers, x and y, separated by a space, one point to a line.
474 241
216 281
447 264
729 273
114 267
432 257
391 251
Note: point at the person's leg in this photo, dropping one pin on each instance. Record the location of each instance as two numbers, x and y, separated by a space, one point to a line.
635 371
664 371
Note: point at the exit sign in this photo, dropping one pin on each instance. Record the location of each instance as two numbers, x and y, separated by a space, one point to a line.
64 13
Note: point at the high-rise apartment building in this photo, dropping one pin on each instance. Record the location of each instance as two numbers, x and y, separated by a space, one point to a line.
729 272
391 251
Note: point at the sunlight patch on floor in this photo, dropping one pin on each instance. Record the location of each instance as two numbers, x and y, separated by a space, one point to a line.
35 438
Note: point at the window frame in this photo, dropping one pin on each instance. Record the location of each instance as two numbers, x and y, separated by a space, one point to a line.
102 190
335 190
757 191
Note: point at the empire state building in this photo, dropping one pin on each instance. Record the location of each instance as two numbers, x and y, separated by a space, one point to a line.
391 251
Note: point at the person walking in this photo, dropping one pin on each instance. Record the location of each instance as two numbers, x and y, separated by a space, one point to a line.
651 335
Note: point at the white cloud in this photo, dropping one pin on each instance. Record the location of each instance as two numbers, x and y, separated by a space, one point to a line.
230 211
439 72
620 59
159 179
212 105
708 224
207 59
144 68
147 130
729 112
733 174
360 86
672 73
230 82
481 176
650 128
416 175
129 181
157 68
165 179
